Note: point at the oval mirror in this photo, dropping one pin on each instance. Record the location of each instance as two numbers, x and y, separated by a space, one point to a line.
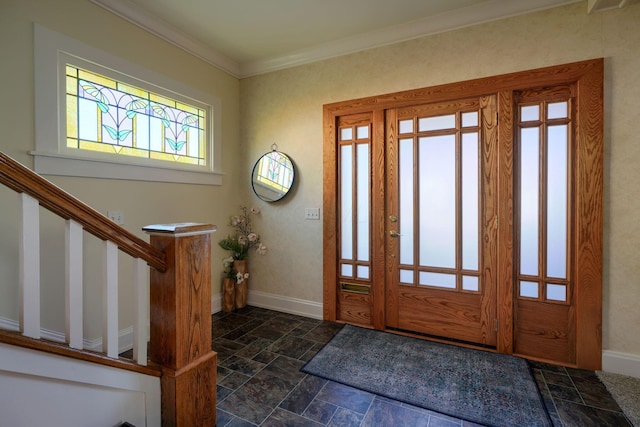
272 176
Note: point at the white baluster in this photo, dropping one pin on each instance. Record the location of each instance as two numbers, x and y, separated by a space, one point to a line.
141 307
30 267
110 299
73 288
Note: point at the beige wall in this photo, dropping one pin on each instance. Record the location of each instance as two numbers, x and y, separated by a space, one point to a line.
286 107
142 202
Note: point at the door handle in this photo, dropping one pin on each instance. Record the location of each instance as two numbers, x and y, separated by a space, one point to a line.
394 233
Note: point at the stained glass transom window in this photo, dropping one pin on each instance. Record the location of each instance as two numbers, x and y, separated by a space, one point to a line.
109 116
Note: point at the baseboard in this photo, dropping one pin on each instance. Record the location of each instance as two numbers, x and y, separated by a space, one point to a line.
285 304
275 302
621 363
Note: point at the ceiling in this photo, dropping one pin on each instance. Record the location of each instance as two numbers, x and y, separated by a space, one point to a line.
250 37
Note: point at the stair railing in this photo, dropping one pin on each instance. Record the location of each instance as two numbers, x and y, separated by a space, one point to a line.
180 295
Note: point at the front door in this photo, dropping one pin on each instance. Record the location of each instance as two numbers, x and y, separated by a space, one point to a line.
442 219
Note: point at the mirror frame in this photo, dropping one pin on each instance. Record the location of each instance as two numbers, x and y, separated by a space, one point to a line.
254 182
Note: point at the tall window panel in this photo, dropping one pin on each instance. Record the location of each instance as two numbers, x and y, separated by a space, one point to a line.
544 189
355 201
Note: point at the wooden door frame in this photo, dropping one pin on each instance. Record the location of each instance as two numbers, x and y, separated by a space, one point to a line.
589 176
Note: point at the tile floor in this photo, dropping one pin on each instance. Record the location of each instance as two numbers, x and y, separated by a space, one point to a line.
260 353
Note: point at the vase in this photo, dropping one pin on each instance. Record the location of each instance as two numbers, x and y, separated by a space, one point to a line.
240 266
228 294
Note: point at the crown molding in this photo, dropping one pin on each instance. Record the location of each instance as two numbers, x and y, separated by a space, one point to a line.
169 33
488 11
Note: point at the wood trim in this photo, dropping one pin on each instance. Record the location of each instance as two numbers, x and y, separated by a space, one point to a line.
589 175
505 236
546 76
21 179
62 349
378 219
330 220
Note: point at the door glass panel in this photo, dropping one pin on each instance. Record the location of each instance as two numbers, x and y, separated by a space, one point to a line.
406 201
530 113
406 126
363 272
470 187
346 201
363 196
362 132
470 283
556 292
470 119
346 270
557 202
439 280
437 201
557 110
437 123
529 191
529 289
406 276
346 134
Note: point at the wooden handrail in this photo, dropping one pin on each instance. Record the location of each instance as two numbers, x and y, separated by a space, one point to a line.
21 179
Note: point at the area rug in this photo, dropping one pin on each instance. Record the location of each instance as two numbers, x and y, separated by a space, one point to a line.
478 386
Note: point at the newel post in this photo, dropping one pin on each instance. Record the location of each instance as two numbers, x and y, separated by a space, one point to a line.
180 312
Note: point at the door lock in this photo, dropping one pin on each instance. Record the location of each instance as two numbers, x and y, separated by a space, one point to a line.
393 218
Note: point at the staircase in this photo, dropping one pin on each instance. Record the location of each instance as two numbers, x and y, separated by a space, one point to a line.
57 378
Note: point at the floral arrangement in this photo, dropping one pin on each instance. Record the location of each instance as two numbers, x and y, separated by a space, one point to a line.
243 238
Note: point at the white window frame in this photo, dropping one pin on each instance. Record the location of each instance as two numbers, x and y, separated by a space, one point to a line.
52 156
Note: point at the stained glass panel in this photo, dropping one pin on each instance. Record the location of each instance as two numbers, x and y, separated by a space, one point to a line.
106 115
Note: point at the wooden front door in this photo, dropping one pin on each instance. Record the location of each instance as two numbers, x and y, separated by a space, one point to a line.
441 220
471 212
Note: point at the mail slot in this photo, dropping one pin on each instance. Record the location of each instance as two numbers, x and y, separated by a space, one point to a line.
355 288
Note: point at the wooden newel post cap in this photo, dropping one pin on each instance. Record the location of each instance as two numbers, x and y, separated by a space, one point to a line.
180 228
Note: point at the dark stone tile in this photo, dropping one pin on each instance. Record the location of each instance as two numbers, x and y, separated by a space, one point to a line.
323 332
256 346
282 418
304 393
283 368
320 411
345 418
564 393
557 378
222 373
346 397
291 346
223 343
270 332
242 330
593 392
223 418
239 422
547 366
385 413
246 339
244 366
222 393
265 357
308 355
574 415
249 402
234 380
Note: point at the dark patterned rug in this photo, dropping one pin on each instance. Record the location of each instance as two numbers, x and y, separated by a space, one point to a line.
478 386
